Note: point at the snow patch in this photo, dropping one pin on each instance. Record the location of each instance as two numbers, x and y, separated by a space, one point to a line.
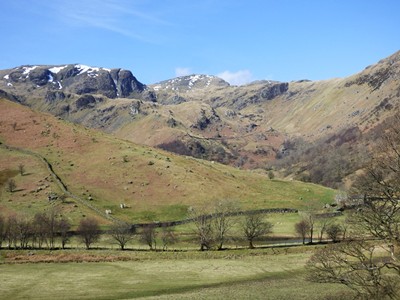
9 84
59 85
51 79
90 70
27 70
7 77
55 70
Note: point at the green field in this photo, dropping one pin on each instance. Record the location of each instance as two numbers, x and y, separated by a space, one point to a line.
256 274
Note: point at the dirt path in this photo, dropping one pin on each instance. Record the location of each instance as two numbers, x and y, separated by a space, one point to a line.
61 184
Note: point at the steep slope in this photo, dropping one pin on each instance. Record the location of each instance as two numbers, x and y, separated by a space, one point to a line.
107 172
203 116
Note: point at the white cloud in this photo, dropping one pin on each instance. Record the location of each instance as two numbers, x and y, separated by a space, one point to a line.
182 72
237 78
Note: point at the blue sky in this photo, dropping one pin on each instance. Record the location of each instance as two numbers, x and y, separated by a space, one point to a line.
239 40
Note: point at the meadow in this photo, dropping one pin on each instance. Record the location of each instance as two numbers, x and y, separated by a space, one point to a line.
235 274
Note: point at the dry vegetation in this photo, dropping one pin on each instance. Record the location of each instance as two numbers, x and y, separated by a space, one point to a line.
153 184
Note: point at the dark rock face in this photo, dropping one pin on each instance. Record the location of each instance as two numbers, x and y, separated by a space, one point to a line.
81 79
39 76
5 95
126 85
275 90
52 96
86 101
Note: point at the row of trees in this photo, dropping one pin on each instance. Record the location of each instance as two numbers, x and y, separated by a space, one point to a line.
321 226
42 229
212 229
48 229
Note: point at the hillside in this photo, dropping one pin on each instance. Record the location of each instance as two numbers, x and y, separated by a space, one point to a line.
105 172
248 126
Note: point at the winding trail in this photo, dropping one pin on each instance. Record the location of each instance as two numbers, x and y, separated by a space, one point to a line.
61 184
82 201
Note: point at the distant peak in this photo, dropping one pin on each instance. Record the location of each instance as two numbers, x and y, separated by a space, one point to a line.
189 82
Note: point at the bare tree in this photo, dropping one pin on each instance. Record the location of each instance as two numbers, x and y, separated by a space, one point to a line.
11 185
353 264
89 231
11 231
168 237
23 231
334 232
223 221
64 226
148 236
122 234
302 228
203 227
254 227
52 226
310 219
21 169
39 228
371 268
322 224
2 229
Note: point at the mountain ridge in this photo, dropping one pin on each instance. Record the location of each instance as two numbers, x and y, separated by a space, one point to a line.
202 116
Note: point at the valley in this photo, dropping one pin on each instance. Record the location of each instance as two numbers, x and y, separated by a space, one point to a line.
89 143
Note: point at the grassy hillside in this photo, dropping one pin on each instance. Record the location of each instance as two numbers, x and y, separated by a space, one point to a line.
153 184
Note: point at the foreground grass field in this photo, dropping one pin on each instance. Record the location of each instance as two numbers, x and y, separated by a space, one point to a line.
256 274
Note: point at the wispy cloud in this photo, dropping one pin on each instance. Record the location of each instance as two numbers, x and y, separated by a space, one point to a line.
118 16
237 78
182 71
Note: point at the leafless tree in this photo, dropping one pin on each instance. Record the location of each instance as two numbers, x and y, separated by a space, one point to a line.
371 268
168 237
254 227
354 264
2 229
39 228
21 169
322 225
64 226
302 229
334 232
223 221
23 231
11 231
89 231
11 185
52 227
310 218
148 236
122 234
202 221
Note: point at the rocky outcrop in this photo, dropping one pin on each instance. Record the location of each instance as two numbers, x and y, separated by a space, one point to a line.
275 90
86 101
78 79
52 96
266 92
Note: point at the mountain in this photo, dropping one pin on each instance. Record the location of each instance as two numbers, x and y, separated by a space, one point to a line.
99 172
265 124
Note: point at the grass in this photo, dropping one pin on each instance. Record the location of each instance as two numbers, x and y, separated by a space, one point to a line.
121 173
256 274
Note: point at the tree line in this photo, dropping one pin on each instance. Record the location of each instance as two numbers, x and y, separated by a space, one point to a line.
211 230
